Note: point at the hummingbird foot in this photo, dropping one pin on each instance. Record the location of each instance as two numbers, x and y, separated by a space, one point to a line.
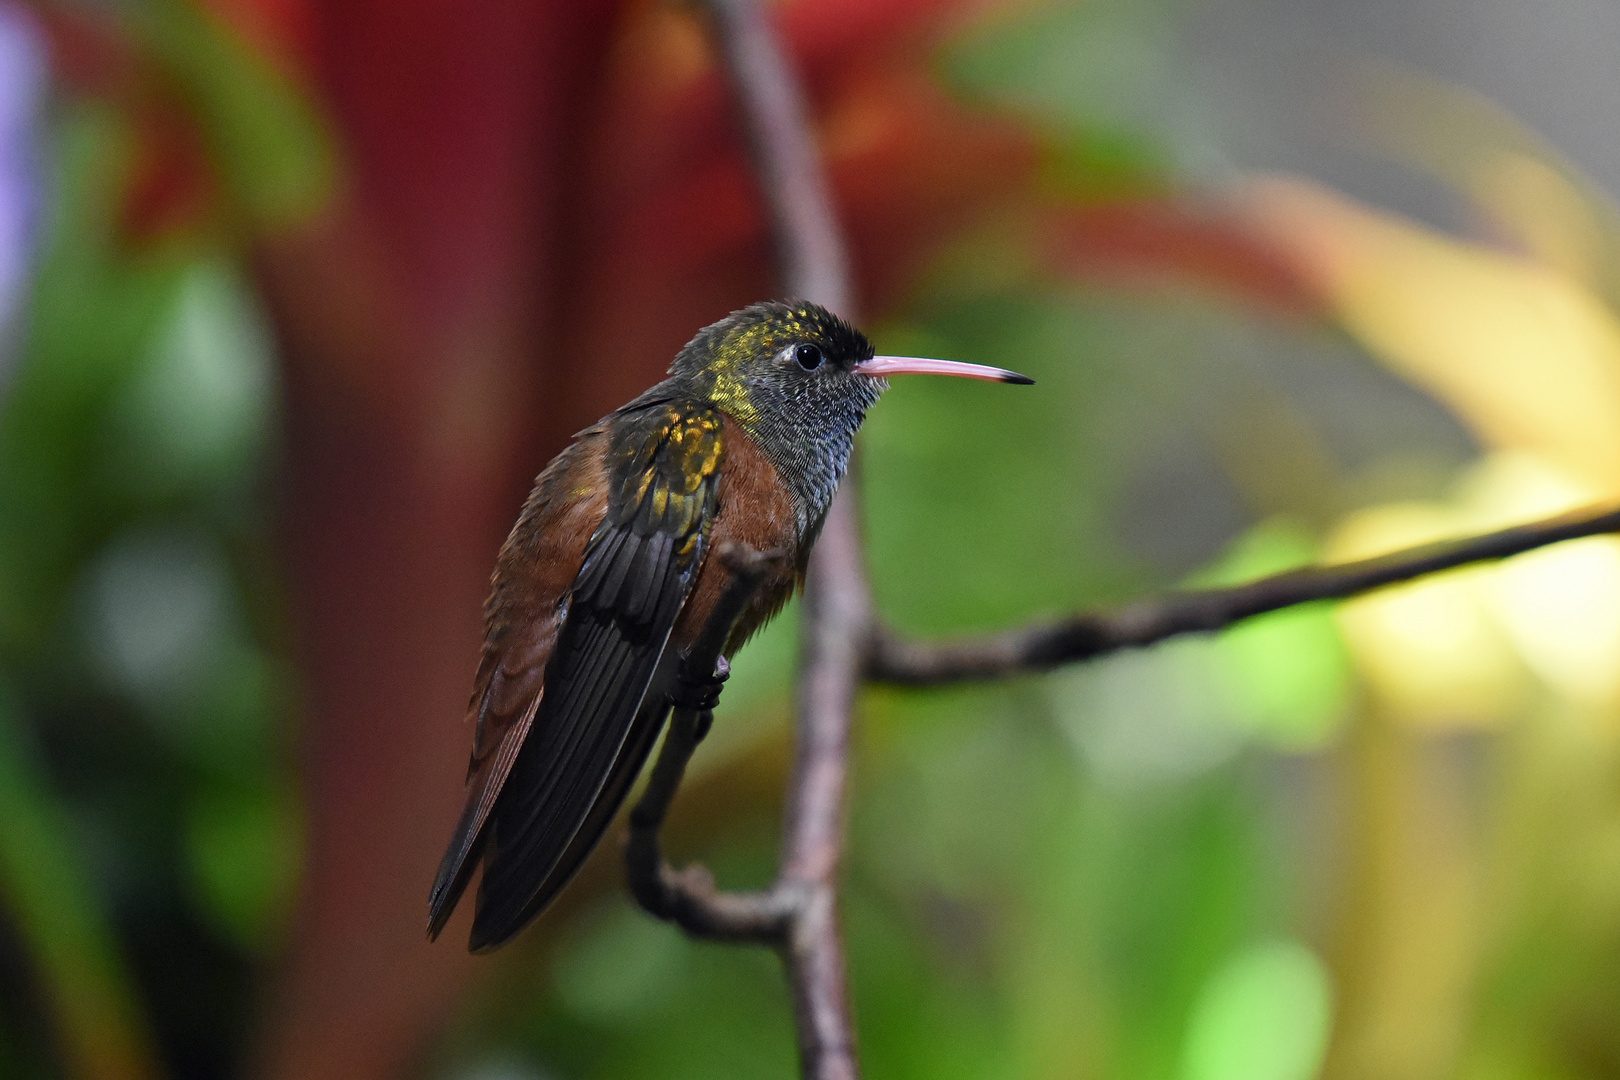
698 693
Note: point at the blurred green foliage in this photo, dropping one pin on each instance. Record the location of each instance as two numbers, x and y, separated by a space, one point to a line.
155 863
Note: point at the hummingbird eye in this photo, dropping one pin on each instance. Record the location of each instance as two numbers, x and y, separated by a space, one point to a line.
809 356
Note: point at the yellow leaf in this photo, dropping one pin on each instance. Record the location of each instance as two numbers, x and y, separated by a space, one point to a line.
1523 353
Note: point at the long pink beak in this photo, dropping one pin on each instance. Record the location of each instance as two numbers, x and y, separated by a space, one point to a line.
882 366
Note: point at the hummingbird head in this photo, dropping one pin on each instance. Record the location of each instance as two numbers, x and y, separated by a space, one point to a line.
799 380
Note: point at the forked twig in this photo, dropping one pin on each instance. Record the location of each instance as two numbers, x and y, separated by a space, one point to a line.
843 643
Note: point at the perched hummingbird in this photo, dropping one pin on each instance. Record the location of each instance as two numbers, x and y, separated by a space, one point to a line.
603 584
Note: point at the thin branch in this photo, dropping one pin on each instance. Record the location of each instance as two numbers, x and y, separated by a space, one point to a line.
894 659
798 914
815 266
837 620
810 246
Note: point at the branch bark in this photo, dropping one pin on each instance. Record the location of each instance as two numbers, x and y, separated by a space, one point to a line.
894 659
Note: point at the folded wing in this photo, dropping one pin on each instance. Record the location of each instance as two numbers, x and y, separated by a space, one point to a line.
594 723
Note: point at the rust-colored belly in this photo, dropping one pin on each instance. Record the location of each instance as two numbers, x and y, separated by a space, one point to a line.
756 512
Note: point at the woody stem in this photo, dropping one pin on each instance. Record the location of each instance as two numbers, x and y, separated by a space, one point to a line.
844 643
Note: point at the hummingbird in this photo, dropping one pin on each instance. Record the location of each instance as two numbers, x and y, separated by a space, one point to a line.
603 584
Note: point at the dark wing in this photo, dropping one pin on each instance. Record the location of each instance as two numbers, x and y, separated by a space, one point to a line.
638 568
532 583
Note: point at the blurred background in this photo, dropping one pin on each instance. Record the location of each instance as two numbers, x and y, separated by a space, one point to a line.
297 295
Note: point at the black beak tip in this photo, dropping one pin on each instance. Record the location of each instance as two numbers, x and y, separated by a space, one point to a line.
1017 379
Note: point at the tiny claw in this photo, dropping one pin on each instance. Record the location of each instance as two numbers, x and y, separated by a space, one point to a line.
701 695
